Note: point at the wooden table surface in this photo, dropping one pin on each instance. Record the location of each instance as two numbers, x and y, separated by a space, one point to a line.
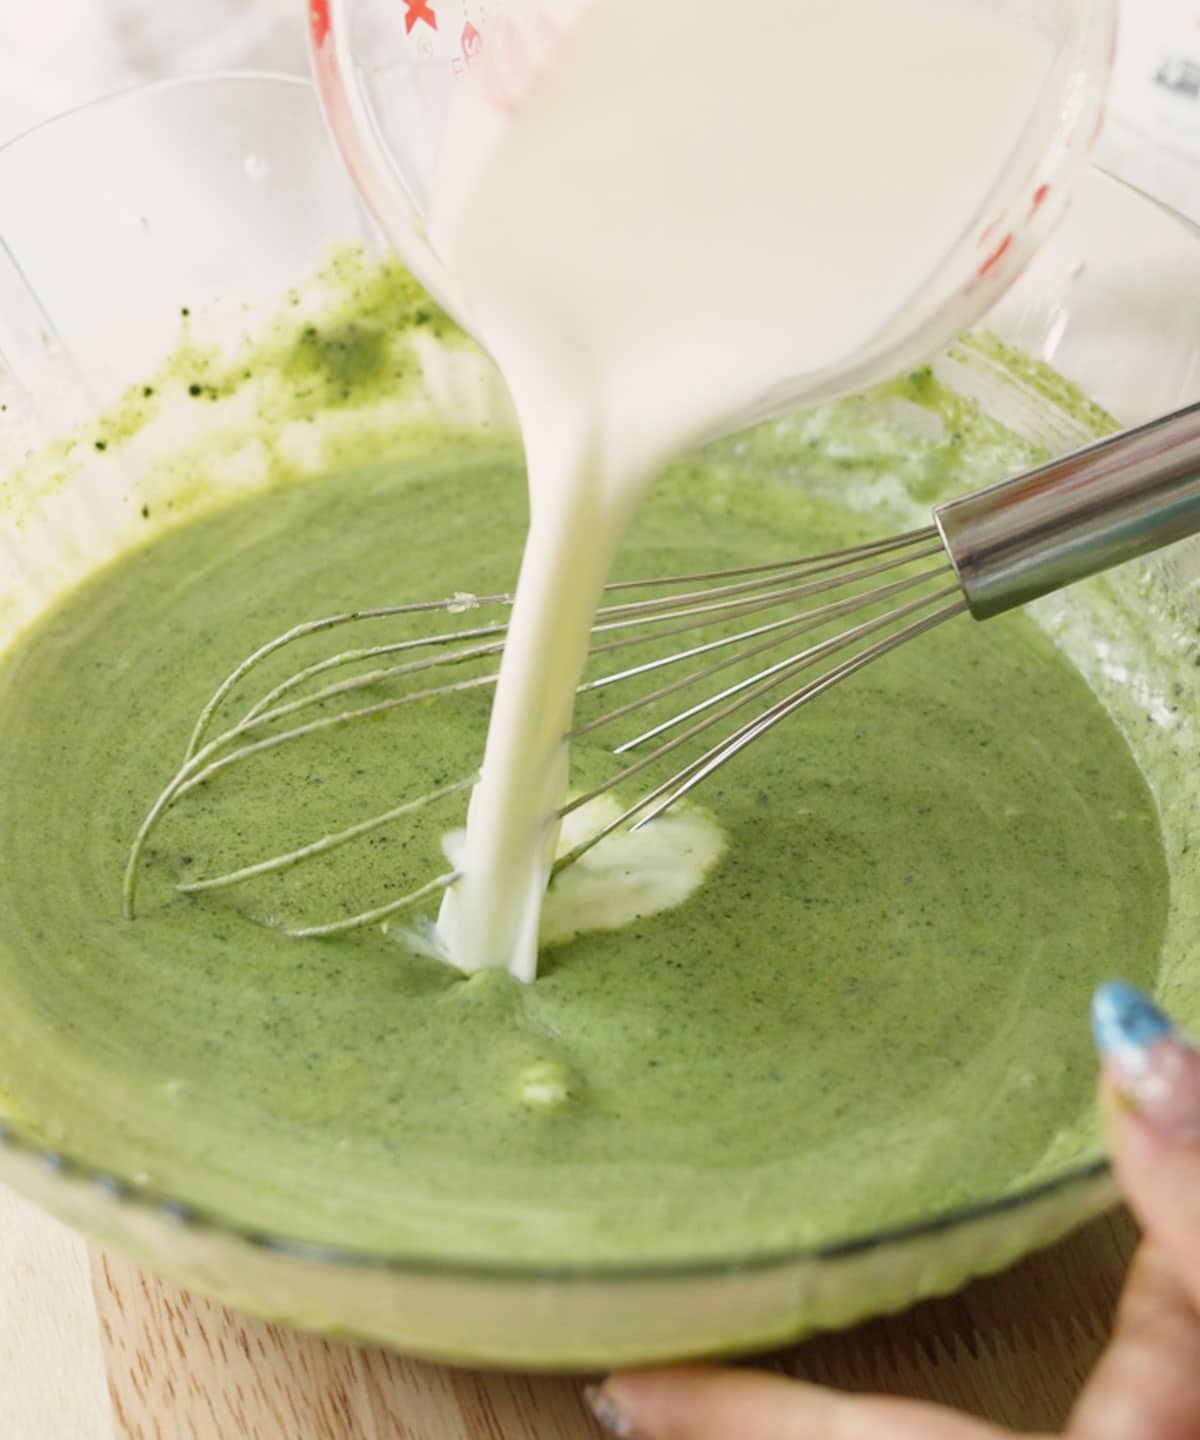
92 1348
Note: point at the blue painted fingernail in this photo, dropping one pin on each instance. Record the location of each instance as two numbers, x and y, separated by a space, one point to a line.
605 1409
1125 1018
1148 1061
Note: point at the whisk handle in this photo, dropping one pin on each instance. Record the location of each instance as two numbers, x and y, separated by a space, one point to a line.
1121 497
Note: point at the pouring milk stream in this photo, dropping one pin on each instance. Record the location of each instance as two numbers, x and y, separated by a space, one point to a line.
649 237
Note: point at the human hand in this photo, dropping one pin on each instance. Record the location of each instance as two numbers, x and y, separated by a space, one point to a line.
1147 1384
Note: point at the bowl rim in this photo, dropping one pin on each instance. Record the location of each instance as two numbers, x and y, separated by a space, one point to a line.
1083 1173
201 78
182 1213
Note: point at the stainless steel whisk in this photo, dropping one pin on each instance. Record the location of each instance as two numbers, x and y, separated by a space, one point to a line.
987 552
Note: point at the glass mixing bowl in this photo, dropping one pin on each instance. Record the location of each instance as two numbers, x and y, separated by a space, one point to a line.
222 192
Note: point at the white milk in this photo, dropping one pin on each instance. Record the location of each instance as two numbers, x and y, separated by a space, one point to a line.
687 205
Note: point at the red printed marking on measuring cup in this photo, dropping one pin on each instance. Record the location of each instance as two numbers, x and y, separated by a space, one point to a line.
416 11
996 255
318 14
470 47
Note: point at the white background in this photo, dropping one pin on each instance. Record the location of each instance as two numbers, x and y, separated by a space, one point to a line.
55 54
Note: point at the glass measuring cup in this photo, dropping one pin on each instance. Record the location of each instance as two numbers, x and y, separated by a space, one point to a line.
389 72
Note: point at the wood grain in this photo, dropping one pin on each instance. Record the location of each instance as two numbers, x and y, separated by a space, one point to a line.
1013 1348
47 1313
182 1368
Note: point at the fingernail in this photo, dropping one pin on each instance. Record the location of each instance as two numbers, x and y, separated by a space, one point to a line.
605 1409
1149 1061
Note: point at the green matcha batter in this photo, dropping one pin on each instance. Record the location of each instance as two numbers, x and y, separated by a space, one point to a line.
870 1012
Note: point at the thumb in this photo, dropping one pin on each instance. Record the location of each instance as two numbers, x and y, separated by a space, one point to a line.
1151 1090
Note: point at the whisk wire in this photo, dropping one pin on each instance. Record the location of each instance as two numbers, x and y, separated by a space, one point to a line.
317 627
738 696
692 609
998 548
778 630
727 749
375 916
855 552
372 677
696 602
322 846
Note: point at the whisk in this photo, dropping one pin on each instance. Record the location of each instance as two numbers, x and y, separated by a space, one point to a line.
987 552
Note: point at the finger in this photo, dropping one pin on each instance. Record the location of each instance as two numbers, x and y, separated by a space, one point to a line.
715 1404
1152 1081
1147 1384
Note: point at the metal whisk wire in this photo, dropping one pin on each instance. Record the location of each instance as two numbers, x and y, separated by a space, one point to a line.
986 553
688 603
